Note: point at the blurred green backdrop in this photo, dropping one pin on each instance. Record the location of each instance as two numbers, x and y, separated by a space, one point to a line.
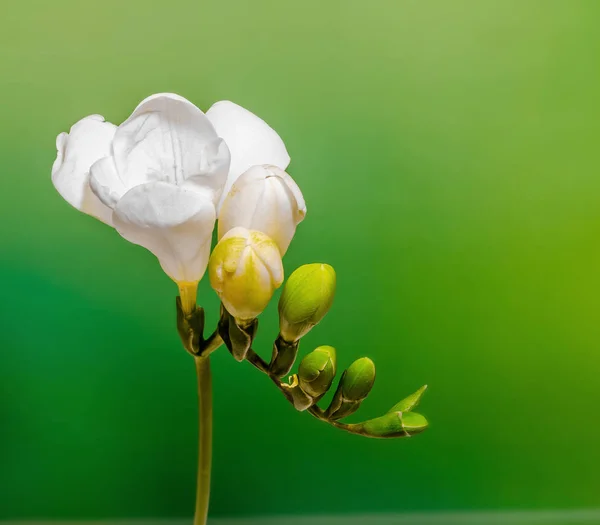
448 153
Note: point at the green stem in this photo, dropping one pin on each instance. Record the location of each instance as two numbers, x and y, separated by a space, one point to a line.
204 439
259 363
213 342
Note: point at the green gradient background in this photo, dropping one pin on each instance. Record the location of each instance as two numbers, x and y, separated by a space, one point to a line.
448 153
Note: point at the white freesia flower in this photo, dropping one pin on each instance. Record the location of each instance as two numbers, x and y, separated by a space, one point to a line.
264 198
159 177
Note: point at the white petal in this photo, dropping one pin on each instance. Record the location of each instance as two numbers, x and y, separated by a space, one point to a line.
175 224
105 181
264 198
294 188
167 138
250 139
61 144
215 160
88 140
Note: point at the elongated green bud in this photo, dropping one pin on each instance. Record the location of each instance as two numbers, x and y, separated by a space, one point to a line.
317 370
354 387
359 379
393 424
306 298
410 402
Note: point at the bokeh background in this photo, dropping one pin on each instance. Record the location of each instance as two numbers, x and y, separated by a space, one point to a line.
448 153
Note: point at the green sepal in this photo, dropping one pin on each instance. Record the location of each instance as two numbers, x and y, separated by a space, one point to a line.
410 402
295 395
190 328
317 371
283 357
393 425
341 407
238 339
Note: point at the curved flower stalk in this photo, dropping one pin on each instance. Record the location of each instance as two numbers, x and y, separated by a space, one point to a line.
162 179
306 299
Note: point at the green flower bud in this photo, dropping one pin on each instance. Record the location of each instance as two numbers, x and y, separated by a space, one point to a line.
354 387
359 379
414 423
306 298
393 424
245 269
317 370
410 402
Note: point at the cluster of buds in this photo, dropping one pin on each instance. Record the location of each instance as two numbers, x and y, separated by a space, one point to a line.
257 221
245 269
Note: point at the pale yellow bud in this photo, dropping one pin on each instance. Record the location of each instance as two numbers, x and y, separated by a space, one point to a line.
245 269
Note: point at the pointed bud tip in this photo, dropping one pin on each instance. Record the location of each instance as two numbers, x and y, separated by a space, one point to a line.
410 402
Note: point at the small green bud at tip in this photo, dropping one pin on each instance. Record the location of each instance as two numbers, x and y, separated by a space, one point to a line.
394 424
